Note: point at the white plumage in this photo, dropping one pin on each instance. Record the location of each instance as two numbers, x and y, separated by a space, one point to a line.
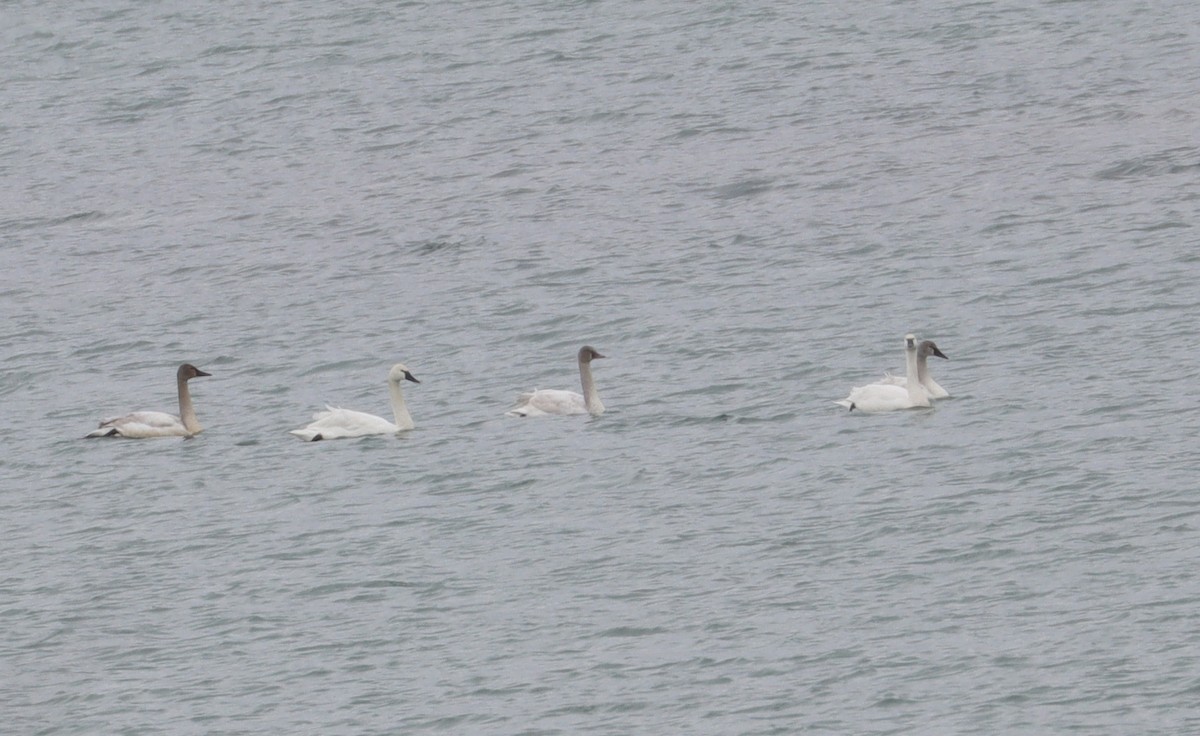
877 397
337 423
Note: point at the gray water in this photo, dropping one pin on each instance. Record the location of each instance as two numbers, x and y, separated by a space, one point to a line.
745 206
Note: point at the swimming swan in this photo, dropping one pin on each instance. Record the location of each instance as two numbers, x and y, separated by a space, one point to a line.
335 423
142 424
876 397
541 402
926 348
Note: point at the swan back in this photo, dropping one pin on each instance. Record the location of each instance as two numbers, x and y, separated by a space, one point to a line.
877 397
146 424
548 402
337 423
545 402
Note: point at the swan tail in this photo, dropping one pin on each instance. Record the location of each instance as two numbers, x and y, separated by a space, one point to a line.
306 434
523 403
104 429
846 403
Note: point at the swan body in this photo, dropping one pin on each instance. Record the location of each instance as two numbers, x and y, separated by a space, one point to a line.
878 397
144 424
546 402
336 423
924 350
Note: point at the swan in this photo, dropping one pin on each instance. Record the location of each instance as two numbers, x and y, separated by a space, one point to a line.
142 424
924 350
541 402
888 397
336 423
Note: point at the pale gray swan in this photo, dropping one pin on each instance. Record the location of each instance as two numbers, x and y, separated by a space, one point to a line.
336 423
924 350
547 401
877 397
143 424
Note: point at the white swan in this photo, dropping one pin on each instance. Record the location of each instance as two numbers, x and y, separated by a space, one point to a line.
142 424
336 423
924 350
541 402
876 397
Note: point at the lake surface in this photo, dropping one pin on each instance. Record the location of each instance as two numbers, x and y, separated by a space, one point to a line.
745 206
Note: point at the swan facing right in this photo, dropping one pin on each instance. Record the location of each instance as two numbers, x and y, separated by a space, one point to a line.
548 401
142 424
924 377
336 423
877 397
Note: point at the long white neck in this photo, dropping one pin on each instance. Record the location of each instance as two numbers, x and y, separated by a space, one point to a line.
923 369
399 408
591 399
914 368
187 414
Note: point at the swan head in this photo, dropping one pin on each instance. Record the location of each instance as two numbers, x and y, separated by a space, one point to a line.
187 371
910 341
399 373
928 347
587 354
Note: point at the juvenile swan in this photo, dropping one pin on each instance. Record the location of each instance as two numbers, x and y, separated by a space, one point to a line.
887 397
141 424
541 402
926 348
335 423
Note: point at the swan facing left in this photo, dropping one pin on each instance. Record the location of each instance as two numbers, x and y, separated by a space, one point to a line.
143 424
335 423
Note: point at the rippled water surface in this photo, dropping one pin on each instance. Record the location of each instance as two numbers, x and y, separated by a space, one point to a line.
745 206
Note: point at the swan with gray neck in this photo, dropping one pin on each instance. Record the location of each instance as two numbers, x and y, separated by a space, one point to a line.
546 402
878 397
144 424
924 377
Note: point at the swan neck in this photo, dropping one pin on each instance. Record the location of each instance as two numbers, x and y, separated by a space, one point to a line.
187 413
399 408
591 398
914 369
923 370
